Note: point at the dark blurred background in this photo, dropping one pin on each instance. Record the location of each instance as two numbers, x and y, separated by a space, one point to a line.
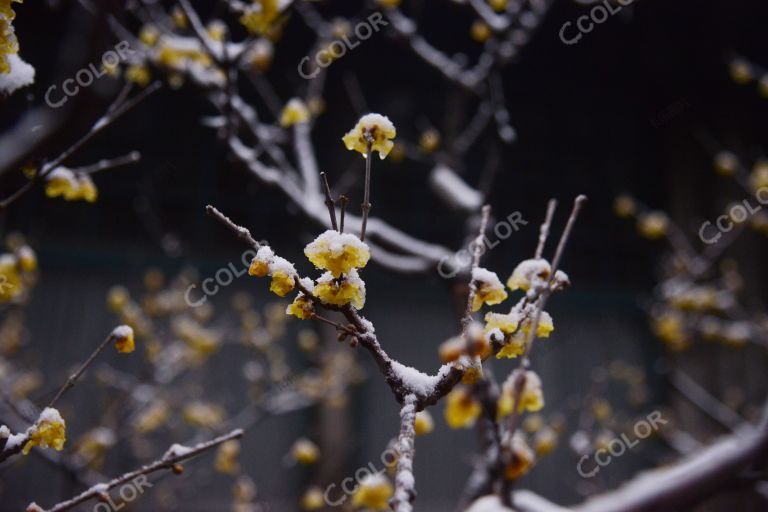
590 118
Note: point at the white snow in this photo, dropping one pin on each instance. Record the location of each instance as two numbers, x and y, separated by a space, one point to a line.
5 432
487 277
530 272
451 188
122 332
100 488
15 440
279 264
62 173
334 242
20 75
177 450
418 382
50 415
488 504
307 283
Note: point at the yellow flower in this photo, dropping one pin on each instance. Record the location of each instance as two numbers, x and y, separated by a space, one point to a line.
668 326
514 347
529 273
461 409
295 111
123 336
498 5
87 188
259 17
741 71
305 452
216 30
301 307
48 432
424 423
202 414
429 141
531 398
653 225
759 177
10 279
375 129
545 441
151 418
138 74
506 323
313 499
624 206
149 35
337 252
282 283
480 31
61 182
489 289
373 493
260 54
260 263
726 163
348 289
179 18
543 329
521 458
388 4
226 457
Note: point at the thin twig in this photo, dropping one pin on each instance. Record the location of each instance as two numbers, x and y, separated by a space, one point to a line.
544 230
73 378
343 200
405 491
167 461
366 206
329 202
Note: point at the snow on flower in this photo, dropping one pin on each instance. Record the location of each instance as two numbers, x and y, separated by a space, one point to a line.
295 111
262 15
260 263
531 398
348 289
337 252
373 493
521 460
529 274
48 432
375 129
301 307
489 288
123 336
305 452
14 72
70 185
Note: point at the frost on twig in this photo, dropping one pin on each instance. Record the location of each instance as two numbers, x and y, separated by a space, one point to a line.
170 460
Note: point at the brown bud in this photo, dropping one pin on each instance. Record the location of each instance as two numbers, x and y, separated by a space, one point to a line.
178 469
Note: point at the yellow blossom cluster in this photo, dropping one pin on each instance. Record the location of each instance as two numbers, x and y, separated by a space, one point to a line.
531 398
348 289
18 270
262 16
226 457
489 289
48 432
373 493
123 337
72 186
282 272
9 44
337 253
203 414
305 452
461 409
295 111
521 458
374 129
